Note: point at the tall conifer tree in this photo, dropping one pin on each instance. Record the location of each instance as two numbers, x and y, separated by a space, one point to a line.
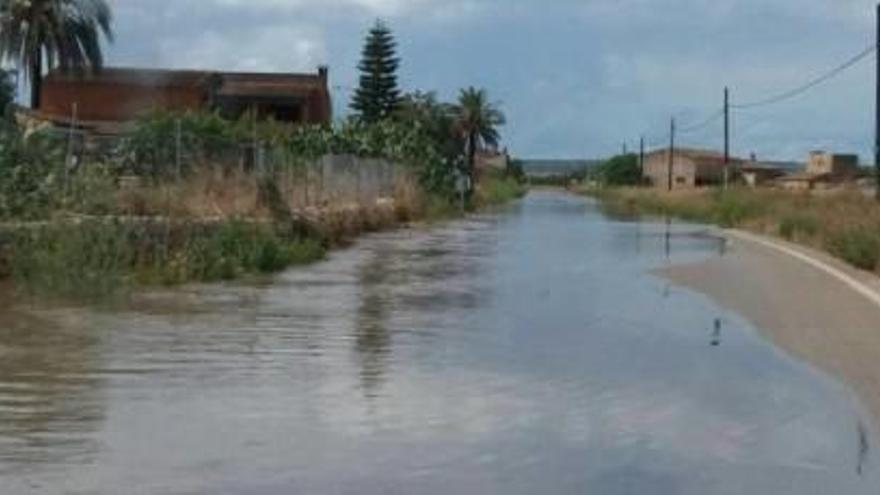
377 96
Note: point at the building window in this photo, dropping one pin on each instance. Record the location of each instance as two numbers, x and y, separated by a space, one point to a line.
286 113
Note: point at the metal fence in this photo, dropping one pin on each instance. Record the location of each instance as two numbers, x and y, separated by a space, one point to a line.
328 179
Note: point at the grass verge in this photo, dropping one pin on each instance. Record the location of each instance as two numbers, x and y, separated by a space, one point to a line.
845 224
93 260
210 228
498 190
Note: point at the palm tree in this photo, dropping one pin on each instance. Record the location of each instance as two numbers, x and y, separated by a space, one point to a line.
53 33
478 121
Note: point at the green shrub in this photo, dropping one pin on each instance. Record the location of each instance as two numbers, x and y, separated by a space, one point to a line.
859 246
150 149
88 260
94 259
91 191
238 248
499 190
437 207
733 208
621 170
796 226
31 173
304 251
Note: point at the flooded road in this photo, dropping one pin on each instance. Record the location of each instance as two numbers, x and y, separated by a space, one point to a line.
529 351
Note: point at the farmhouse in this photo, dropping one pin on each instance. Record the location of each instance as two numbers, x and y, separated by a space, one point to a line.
103 101
823 170
690 168
754 173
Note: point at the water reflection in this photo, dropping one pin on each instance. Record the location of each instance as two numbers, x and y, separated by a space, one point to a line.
716 333
864 448
50 395
676 241
373 339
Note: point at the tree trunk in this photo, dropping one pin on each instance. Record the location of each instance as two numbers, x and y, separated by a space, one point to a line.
471 159
36 81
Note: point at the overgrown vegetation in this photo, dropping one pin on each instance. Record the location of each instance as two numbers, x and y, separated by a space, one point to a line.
93 259
219 175
857 245
845 224
31 173
195 197
620 170
497 189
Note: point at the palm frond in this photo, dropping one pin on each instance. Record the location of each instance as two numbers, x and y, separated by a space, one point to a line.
56 33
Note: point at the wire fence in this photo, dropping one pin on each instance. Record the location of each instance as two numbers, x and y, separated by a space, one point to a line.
329 179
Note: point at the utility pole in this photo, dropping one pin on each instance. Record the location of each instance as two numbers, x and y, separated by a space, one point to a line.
177 148
642 156
877 127
671 153
69 158
624 149
726 137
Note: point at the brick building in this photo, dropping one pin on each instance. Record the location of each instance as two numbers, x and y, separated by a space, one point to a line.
113 96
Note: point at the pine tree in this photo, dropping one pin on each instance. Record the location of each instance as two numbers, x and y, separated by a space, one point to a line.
378 95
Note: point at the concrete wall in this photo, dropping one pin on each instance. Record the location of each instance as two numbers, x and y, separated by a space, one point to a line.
337 180
490 161
347 178
657 170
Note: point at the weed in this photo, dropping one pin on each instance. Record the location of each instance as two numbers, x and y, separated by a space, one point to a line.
798 226
859 246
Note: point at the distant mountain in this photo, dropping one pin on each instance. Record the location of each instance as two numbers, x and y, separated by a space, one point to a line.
551 167
787 166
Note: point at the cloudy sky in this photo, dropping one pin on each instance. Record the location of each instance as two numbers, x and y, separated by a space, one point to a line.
575 77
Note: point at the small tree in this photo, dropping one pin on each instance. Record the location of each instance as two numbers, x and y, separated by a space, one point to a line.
377 96
621 170
478 121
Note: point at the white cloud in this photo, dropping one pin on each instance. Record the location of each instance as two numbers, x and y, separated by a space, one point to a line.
381 8
271 49
615 68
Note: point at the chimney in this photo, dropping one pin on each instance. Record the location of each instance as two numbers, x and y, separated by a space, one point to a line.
323 72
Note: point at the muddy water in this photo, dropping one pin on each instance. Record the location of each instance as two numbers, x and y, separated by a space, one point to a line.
523 352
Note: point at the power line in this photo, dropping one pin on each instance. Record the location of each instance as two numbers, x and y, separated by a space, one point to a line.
811 84
786 95
702 124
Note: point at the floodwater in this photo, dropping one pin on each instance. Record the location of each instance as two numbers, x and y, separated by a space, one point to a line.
527 351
